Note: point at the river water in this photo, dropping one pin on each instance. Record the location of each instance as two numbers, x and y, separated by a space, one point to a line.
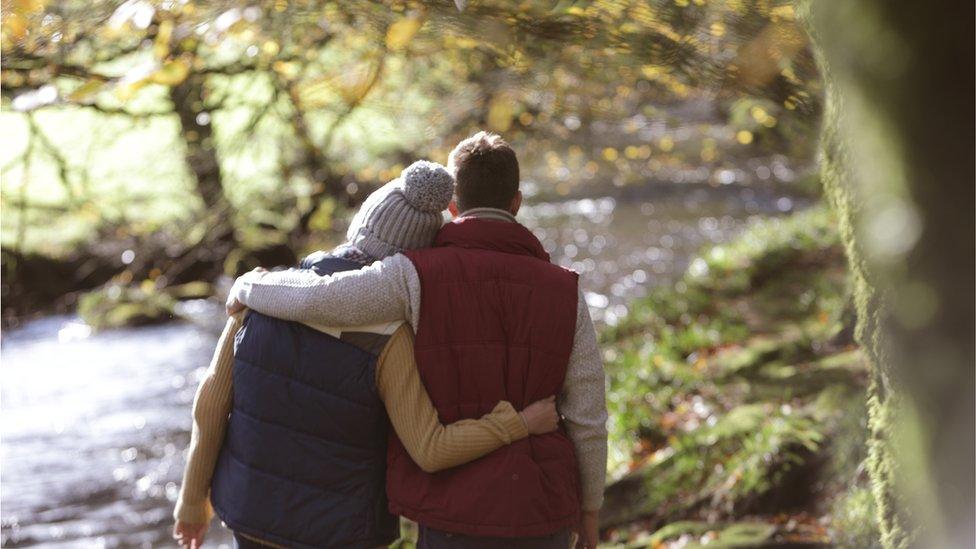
94 425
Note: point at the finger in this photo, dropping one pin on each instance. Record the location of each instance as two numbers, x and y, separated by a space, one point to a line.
551 398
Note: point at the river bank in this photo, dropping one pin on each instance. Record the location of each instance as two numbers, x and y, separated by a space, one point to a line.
94 435
737 399
654 229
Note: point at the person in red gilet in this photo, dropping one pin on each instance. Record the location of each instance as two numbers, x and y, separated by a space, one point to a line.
494 320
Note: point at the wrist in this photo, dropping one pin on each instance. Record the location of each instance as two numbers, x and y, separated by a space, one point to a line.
193 513
515 424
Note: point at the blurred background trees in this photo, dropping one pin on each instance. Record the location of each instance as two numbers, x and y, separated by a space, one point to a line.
263 120
152 148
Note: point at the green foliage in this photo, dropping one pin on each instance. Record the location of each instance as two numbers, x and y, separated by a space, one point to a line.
686 317
764 249
728 385
853 520
741 534
315 100
118 306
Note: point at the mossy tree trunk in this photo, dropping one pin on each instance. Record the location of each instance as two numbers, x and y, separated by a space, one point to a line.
898 166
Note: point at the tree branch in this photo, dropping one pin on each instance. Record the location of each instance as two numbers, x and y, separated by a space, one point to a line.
56 155
123 112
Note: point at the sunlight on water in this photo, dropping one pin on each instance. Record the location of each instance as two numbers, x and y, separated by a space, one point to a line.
93 431
622 248
95 424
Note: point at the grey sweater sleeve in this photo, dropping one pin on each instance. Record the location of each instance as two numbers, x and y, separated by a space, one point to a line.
389 290
584 408
385 291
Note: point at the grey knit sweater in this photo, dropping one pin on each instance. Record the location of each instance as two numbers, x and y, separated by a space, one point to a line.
389 290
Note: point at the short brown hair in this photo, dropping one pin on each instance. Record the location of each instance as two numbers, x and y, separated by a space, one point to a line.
486 172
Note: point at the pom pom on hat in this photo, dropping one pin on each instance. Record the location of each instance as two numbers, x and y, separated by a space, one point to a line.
404 214
427 186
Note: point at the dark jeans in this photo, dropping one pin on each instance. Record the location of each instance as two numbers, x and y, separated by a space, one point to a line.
429 538
241 542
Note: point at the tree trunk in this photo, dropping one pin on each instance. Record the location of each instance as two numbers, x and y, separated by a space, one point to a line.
201 158
313 163
897 164
201 152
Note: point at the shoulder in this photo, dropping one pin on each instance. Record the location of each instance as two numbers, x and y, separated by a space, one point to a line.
383 329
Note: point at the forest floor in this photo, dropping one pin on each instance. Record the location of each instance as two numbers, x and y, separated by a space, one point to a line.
737 401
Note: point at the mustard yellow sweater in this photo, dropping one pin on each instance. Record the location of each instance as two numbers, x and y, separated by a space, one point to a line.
432 445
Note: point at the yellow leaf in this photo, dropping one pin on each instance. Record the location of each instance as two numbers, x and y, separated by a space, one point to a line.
651 71
161 45
126 90
354 84
270 48
28 7
14 26
783 12
85 91
402 32
287 69
465 43
500 113
172 73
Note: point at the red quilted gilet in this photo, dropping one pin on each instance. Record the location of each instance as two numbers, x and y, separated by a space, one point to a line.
497 322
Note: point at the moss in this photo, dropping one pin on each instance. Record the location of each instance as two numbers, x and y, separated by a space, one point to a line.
869 302
191 290
725 394
720 535
852 520
117 306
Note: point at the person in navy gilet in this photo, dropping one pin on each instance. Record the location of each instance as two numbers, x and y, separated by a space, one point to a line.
303 460
495 320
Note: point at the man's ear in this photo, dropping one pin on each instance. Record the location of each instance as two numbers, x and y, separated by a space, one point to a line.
452 207
513 208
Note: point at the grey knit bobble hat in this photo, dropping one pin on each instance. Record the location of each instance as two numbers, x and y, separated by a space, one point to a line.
404 214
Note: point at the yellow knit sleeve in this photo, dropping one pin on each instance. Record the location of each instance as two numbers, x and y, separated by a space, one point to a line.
434 446
211 408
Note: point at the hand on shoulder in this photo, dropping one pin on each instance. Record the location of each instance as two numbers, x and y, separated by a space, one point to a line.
234 304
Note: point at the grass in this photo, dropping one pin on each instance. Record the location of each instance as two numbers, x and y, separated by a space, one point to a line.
732 392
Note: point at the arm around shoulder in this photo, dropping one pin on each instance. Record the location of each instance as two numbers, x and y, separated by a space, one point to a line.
432 445
380 292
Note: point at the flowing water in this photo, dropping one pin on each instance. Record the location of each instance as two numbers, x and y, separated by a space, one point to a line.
94 425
